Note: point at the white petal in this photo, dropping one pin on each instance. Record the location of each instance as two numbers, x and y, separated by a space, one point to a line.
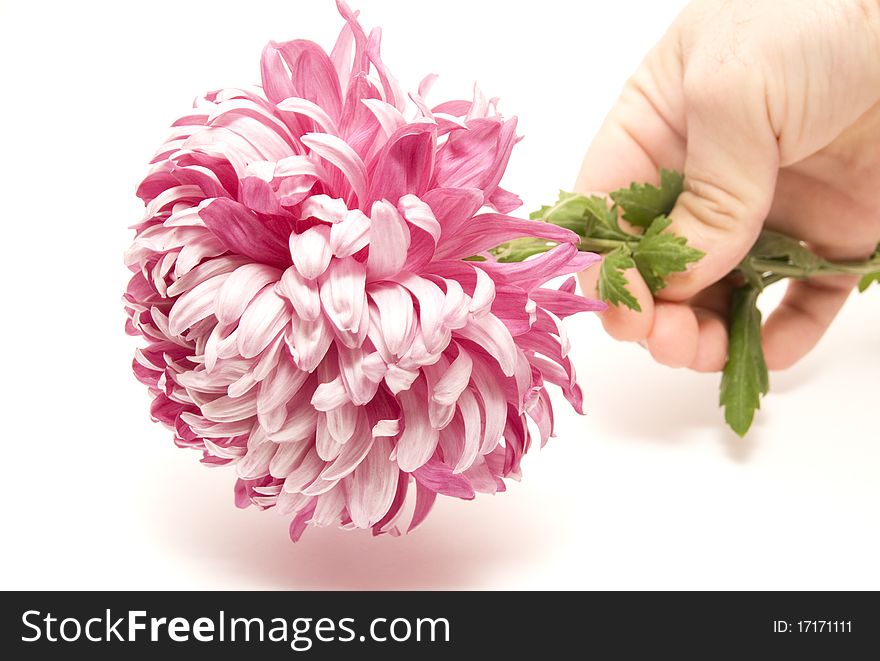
240 288
454 380
350 234
311 251
396 315
372 485
324 207
389 241
484 293
419 214
262 321
302 293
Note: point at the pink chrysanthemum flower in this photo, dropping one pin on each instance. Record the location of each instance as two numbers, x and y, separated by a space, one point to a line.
300 276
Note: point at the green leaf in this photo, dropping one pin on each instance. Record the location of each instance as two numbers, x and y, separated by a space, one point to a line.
584 215
745 378
612 283
540 214
568 212
657 255
871 278
642 203
868 280
775 246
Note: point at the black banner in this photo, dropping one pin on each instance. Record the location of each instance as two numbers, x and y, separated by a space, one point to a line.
47 625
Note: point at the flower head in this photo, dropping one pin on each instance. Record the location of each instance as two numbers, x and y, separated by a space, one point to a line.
301 276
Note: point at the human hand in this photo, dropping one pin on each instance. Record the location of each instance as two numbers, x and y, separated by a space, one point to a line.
772 110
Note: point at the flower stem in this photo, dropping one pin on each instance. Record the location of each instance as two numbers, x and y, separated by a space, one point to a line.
826 268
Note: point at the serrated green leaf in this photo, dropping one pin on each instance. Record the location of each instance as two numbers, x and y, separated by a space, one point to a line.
868 280
588 216
776 246
540 213
745 378
657 255
612 282
642 203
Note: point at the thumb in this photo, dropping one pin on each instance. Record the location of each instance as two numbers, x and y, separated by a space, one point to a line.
730 172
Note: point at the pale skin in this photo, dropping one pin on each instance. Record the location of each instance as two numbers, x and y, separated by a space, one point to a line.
771 108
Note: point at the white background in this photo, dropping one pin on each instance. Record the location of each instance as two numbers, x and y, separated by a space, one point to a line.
648 491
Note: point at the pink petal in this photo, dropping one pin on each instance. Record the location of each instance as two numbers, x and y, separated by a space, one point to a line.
328 447
418 213
304 474
309 341
195 305
372 485
389 117
386 428
229 409
329 395
342 293
494 405
425 498
262 321
492 335
488 230
255 463
243 233
396 315
240 287
453 207
565 304
280 386
298 426
437 476
389 241
405 164
339 153
311 251
430 299
418 439
352 454
302 293
358 384
324 207
470 414
329 508
341 421
484 293
311 110
454 380
287 457
534 272
350 234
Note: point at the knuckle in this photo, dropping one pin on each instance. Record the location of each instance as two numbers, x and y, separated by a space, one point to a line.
713 204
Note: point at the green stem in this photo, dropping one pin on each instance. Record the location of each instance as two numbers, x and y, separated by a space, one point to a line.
769 266
589 244
827 268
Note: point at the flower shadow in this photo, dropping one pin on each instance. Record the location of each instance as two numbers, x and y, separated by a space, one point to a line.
461 545
661 405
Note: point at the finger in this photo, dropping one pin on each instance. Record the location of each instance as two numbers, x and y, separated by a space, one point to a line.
675 335
809 306
803 316
619 321
730 170
711 354
645 129
643 132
